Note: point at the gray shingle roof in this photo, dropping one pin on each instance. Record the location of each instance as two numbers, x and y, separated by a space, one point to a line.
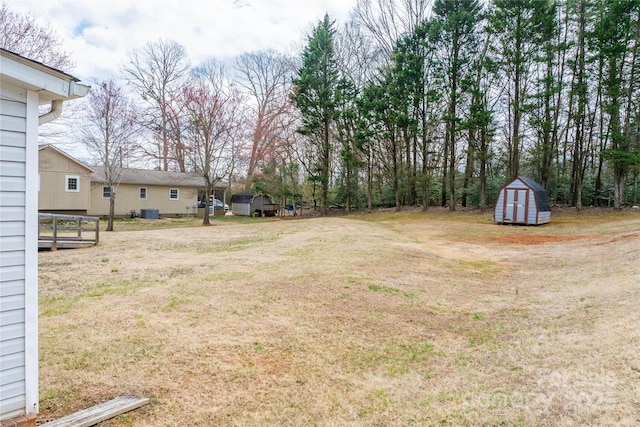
542 195
531 183
243 197
156 177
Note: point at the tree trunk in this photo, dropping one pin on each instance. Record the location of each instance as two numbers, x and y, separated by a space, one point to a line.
207 204
396 171
348 185
577 169
369 180
618 187
483 184
445 172
635 188
112 208
325 171
468 173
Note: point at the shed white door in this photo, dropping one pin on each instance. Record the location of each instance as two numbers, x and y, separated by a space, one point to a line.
515 206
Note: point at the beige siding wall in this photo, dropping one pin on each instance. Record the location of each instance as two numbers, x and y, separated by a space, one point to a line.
53 169
128 199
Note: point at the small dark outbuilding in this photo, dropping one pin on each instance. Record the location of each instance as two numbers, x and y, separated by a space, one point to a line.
523 201
249 204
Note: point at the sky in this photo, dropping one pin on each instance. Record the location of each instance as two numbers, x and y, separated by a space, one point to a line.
99 34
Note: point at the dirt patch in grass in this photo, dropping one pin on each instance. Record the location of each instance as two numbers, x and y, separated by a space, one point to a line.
406 318
532 240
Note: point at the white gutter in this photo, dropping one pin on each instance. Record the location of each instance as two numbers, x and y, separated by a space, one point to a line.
75 91
51 84
54 113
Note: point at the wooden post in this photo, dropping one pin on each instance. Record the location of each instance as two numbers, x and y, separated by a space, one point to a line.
97 230
54 242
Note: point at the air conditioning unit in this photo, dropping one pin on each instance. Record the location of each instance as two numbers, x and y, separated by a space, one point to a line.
149 213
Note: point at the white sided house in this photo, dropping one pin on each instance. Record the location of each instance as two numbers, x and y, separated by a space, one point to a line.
523 201
25 85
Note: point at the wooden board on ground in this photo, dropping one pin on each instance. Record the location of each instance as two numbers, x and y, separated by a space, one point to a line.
44 243
97 414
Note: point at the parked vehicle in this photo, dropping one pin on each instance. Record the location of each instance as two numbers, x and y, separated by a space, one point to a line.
217 203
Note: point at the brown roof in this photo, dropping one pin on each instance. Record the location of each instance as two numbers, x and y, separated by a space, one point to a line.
156 177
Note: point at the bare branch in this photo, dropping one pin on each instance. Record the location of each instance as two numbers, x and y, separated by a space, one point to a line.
21 34
158 72
110 134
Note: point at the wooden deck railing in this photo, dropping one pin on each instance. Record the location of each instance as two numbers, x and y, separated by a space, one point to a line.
66 231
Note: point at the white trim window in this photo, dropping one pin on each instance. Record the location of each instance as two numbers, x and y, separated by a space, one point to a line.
142 193
72 183
106 192
174 194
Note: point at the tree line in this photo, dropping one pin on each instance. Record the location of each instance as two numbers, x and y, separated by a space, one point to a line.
443 103
408 103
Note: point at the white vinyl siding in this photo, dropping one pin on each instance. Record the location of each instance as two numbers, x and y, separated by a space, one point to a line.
24 86
12 255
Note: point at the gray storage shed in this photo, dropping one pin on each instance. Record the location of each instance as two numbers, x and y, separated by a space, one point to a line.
249 204
523 201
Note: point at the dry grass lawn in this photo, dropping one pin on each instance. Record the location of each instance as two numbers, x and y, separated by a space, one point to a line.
389 319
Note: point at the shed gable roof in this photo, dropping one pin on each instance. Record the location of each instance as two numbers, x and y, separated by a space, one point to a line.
243 197
532 184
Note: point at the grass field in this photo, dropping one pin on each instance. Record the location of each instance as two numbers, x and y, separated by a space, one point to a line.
388 319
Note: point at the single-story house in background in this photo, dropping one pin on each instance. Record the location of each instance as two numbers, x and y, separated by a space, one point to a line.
25 85
249 204
64 183
69 186
523 201
171 193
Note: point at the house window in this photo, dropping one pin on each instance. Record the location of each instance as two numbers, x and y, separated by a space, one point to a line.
143 193
106 192
173 194
72 183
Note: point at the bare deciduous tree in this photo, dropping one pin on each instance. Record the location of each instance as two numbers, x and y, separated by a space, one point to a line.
110 134
158 72
355 52
21 34
267 78
386 21
213 108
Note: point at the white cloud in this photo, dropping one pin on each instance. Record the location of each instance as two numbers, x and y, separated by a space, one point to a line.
100 33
